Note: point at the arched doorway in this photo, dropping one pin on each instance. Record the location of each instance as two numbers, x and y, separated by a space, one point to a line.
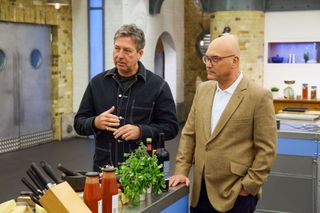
165 61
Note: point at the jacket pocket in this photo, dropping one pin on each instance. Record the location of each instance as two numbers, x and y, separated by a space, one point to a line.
238 169
237 121
141 113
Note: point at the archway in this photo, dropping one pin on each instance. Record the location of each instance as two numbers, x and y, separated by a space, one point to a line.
165 61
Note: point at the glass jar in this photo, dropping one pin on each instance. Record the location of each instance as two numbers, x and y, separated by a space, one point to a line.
288 92
313 92
304 91
92 192
109 190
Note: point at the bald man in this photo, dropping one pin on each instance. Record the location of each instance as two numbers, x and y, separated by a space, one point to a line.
230 136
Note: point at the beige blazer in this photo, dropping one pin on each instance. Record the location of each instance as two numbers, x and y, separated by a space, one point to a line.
239 152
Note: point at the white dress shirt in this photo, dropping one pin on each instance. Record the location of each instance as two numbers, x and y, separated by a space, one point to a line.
220 101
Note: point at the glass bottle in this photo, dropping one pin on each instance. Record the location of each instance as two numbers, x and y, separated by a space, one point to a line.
304 91
313 92
149 146
109 191
288 92
92 192
163 158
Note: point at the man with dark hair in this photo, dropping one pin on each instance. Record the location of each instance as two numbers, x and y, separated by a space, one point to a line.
126 104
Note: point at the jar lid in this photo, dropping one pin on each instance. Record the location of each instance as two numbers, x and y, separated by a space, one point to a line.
92 174
108 169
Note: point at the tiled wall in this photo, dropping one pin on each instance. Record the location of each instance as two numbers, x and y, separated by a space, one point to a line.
36 12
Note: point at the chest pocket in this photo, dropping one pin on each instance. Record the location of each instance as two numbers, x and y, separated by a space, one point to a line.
141 113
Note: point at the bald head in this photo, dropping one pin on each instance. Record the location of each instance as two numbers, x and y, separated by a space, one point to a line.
224 45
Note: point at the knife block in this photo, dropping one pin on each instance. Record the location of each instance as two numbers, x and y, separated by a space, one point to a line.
63 199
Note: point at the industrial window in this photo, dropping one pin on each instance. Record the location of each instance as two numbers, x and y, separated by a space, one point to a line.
96 37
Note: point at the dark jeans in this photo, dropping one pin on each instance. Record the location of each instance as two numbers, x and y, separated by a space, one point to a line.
243 204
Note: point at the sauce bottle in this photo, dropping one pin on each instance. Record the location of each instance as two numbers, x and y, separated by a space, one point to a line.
304 91
149 146
109 191
92 192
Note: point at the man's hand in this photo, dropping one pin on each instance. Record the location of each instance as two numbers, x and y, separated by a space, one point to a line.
243 192
107 120
178 179
128 132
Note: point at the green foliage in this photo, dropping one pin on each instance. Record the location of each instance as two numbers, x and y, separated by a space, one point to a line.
139 172
306 56
274 89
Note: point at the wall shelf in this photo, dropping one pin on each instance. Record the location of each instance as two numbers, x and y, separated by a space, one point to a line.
293 52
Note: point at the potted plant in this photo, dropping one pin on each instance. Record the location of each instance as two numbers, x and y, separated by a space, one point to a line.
306 57
274 91
139 172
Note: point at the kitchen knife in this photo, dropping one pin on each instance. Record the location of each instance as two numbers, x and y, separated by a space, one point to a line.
35 180
49 171
43 178
31 187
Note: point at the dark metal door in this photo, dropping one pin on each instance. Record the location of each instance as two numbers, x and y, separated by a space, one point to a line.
27 49
9 106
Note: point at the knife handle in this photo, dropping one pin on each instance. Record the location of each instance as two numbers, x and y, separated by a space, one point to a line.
31 187
49 171
35 180
43 178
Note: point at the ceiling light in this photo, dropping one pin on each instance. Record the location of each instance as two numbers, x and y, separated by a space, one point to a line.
58 3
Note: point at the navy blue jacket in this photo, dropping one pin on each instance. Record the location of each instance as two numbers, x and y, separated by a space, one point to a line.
147 103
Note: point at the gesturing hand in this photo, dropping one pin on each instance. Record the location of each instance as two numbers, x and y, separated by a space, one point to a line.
127 132
107 120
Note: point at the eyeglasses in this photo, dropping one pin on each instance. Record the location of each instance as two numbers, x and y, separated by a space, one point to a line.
214 59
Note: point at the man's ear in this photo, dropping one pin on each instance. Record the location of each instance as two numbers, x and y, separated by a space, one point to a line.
140 53
236 60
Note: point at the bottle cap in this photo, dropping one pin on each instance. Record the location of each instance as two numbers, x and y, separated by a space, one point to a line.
92 174
109 169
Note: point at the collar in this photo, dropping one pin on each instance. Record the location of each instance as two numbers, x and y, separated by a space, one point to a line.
233 86
141 71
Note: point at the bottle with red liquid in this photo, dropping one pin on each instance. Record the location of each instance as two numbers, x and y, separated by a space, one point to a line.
149 146
109 191
304 91
92 192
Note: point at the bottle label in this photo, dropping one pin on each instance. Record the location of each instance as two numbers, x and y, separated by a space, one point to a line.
115 203
166 169
99 206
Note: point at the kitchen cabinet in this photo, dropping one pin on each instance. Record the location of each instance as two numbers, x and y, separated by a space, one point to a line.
294 182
